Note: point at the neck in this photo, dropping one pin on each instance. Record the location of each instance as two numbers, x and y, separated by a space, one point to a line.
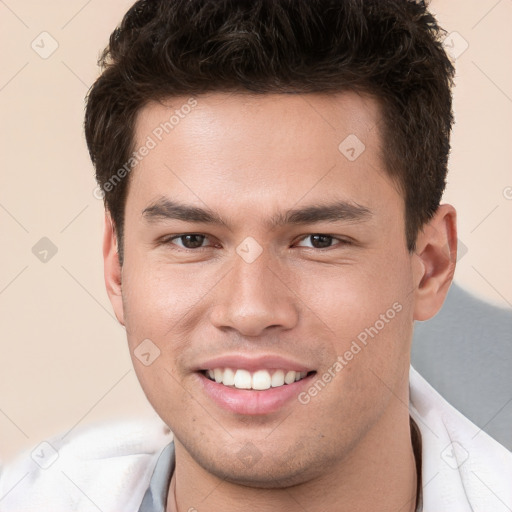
378 474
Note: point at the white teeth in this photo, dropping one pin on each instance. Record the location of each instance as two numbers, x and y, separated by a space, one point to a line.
243 379
258 380
289 377
261 380
218 374
229 377
277 379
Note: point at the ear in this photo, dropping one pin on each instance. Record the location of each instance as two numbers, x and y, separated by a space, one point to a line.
112 268
435 259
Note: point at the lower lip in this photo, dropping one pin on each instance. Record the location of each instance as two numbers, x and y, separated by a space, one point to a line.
251 402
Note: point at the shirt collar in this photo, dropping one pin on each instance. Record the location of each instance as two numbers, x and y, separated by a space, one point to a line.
155 498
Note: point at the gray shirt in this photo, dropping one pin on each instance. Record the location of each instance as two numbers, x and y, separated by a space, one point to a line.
156 496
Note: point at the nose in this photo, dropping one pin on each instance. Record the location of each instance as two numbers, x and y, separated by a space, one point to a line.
254 298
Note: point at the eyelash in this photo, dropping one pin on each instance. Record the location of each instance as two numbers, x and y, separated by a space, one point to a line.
168 241
341 241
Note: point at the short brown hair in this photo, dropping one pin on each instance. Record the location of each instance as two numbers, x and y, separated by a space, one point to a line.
391 49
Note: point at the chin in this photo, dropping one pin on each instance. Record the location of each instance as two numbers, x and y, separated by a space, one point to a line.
264 477
248 467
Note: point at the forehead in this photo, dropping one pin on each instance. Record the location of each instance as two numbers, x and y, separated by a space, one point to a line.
267 118
251 151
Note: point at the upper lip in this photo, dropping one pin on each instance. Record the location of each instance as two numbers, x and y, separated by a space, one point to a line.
253 363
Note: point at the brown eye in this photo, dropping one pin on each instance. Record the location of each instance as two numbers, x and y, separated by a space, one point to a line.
321 241
318 241
192 241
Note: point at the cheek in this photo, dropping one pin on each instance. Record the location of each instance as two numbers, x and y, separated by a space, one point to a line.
363 304
157 303
159 300
366 316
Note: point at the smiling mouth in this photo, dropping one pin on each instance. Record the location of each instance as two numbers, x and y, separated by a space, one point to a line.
260 380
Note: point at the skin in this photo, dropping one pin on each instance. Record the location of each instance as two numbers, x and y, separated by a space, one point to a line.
248 158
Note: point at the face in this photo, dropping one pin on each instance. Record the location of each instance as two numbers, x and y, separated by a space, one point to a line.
264 248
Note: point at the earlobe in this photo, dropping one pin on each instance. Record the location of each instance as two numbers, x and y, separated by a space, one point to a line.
112 268
436 256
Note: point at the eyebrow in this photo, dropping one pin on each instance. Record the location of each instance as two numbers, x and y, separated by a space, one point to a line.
165 209
331 212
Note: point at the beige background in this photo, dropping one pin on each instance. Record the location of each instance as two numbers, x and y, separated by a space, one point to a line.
63 356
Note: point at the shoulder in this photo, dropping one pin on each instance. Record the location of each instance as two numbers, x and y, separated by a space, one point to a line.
461 463
105 467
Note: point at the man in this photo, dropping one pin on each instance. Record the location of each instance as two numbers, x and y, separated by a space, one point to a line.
272 173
